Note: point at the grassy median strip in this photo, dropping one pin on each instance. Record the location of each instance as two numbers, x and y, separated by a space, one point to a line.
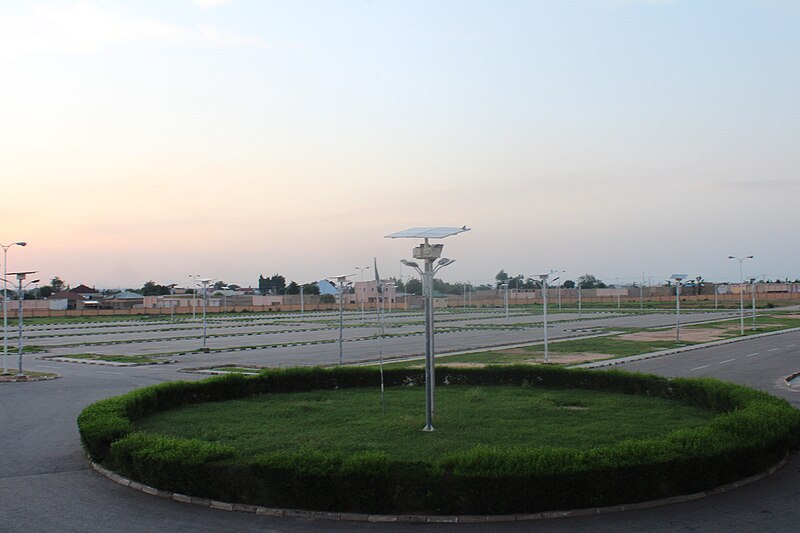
350 420
132 359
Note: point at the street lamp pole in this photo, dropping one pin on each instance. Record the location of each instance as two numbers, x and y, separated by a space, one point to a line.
429 253
753 292
342 281
5 300
678 278
543 278
205 282
20 298
505 298
741 290
363 295
193 277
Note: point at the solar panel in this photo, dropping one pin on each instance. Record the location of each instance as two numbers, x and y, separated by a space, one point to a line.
439 232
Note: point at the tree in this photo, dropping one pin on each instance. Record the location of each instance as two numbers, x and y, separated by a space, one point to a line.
399 285
271 285
588 281
57 284
293 288
414 286
699 283
327 299
45 291
310 288
501 278
220 285
151 288
568 284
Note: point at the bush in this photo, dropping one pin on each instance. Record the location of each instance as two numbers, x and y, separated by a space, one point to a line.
751 432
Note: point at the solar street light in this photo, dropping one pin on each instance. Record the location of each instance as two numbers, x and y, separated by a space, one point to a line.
428 253
741 291
678 278
20 297
341 279
5 300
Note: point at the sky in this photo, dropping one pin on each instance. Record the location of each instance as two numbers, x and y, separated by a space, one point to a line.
156 139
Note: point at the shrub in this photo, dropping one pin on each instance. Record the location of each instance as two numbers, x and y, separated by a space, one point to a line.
751 432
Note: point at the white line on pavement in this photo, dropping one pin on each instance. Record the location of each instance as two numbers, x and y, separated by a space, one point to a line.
790 345
699 367
727 361
752 354
773 349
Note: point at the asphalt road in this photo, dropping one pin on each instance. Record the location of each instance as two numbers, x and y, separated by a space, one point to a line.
47 485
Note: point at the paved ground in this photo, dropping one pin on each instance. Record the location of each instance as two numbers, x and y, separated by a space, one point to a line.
46 484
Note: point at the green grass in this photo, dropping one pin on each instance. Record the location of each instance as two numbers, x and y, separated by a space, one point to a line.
138 359
12 372
612 345
350 420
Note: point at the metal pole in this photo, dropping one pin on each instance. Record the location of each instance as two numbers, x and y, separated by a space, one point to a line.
741 298
678 310
559 296
5 309
579 299
19 325
546 356
205 303
641 295
193 277
427 277
753 285
341 319
302 304
505 300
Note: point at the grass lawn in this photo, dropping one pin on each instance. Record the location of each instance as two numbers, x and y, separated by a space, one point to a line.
612 345
114 358
350 420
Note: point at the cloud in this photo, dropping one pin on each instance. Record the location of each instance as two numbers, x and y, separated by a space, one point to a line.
86 27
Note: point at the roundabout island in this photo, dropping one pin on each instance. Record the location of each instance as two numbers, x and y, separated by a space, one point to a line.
517 439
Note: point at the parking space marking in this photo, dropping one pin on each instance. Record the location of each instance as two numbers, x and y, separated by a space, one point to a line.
773 349
791 345
727 361
752 354
701 367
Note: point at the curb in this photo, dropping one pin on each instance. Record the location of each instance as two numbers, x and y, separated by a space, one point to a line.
429 519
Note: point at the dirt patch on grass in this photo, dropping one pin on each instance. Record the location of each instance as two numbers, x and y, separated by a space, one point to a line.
568 358
687 334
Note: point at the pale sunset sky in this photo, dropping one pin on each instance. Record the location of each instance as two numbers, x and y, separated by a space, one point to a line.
150 140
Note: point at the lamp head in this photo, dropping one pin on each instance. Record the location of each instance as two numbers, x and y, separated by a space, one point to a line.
444 261
411 264
21 243
731 257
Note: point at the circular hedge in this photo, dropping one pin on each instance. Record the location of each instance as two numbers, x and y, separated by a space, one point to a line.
750 432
